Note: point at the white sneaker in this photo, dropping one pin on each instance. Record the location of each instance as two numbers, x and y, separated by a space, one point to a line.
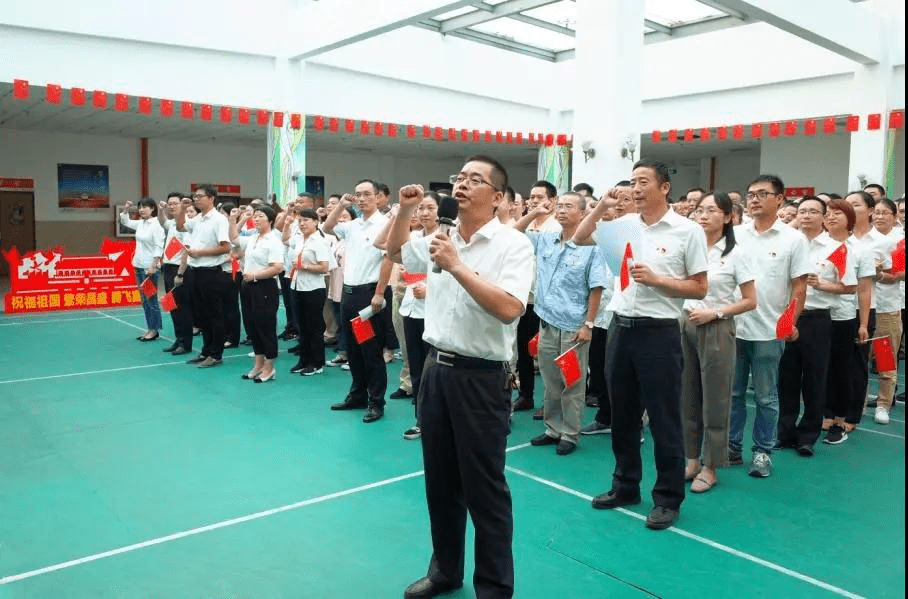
881 416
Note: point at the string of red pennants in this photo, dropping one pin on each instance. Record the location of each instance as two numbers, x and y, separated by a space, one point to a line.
262 117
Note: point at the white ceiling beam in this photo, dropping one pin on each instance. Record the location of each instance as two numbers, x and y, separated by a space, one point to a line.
493 41
330 25
846 28
717 4
544 24
701 27
504 9
657 26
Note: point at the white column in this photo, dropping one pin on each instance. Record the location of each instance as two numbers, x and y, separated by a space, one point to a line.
870 94
608 101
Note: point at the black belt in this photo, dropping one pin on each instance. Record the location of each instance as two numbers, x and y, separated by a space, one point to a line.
446 358
815 313
348 289
220 268
644 322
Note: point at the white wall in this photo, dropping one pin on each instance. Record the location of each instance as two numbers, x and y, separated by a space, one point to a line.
734 171
820 161
172 166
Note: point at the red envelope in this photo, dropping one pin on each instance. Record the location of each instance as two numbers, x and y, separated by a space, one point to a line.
533 347
625 274
883 354
362 330
839 259
412 278
898 258
168 303
173 248
569 364
786 324
148 288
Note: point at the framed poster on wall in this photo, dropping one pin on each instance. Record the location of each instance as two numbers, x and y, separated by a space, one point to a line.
119 229
83 186
316 186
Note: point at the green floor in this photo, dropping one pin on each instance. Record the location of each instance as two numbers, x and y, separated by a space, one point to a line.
109 448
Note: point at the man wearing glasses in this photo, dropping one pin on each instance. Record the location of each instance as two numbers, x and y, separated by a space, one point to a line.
472 307
208 251
366 275
780 260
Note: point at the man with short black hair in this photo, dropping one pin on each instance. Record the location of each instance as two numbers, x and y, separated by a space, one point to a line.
384 198
876 190
584 189
182 314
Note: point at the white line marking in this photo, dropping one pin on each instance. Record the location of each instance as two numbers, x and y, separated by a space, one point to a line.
869 412
63 376
699 539
129 324
870 430
54 321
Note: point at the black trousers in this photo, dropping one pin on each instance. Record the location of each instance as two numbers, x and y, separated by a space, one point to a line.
310 324
210 287
262 299
341 335
288 302
843 365
367 364
417 350
861 376
802 373
527 327
596 385
464 420
182 294
643 371
232 310
391 341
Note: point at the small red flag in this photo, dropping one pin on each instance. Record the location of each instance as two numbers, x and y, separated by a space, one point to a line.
561 140
187 111
775 129
672 135
569 365
412 278
688 135
379 129
168 302
167 108
234 267
839 258
533 346
364 127
810 127
278 119
392 130
144 105
499 137
896 119
148 288
883 354
738 132
532 138
791 128
121 102
786 323
656 137
704 134
756 130
487 136
362 330
829 126
54 93
509 137
625 274
262 117
333 124
226 114
319 123
296 121
174 247
853 123
348 125
99 99
77 96
242 116
206 111
898 258
874 121
426 132
722 133
20 89
250 223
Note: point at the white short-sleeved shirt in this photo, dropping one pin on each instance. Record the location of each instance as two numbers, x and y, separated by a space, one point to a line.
261 251
873 245
208 230
411 306
454 321
362 260
889 298
603 315
777 255
149 239
862 265
313 250
725 275
820 248
674 246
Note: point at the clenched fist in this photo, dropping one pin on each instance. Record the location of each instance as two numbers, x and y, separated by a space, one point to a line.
411 195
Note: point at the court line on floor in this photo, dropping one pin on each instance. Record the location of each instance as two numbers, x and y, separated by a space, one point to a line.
867 430
129 324
714 544
87 372
218 525
52 321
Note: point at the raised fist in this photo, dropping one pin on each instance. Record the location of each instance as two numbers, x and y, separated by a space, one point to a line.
411 195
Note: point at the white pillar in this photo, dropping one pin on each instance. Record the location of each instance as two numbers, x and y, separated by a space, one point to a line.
870 94
608 97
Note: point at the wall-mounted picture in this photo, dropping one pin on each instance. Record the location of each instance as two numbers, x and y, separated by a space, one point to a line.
316 186
83 186
119 229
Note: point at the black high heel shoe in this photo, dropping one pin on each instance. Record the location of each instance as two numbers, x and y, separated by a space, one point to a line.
157 336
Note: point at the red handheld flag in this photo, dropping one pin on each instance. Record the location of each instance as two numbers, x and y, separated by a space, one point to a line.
168 302
533 346
839 259
786 324
898 258
883 354
234 267
625 274
174 247
148 288
569 365
412 278
362 330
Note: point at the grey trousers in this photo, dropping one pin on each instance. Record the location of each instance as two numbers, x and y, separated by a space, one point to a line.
563 407
706 386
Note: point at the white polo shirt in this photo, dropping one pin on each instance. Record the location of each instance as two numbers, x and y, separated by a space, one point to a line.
674 246
207 230
778 255
261 251
820 248
889 298
454 321
362 260
862 265
310 251
725 274
149 239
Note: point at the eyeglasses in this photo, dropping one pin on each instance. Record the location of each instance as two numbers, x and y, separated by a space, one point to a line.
363 194
472 181
883 213
560 206
761 195
809 212
199 195
707 211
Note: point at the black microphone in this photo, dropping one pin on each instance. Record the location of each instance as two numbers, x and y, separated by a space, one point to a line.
447 212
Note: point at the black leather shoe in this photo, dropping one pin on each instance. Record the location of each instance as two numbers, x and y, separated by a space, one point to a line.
780 444
373 414
400 394
805 450
171 347
197 360
349 404
611 500
296 369
179 351
661 518
565 447
543 439
523 403
425 588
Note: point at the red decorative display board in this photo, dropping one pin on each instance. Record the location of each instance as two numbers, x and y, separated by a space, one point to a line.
46 280
799 192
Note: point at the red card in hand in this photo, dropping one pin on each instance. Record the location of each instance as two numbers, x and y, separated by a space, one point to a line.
148 288
362 330
234 267
625 274
839 259
898 258
569 364
786 324
168 303
883 354
173 248
412 278
533 347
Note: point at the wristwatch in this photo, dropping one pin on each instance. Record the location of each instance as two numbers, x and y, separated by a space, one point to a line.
590 324
719 315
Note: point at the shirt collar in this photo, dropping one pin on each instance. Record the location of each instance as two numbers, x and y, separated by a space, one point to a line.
488 230
670 218
720 245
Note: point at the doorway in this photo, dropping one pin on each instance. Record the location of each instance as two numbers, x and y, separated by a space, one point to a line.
17 223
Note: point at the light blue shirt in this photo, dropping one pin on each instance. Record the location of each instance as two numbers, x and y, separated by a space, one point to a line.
565 274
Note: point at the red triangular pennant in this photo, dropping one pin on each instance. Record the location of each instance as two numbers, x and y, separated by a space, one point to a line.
569 365
786 324
625 274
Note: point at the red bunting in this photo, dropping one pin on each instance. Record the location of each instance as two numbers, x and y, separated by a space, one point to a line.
99 99
756 130
439 134
226 114
379 129
167 108
738 132
561 140
672 135
411 131
144 105
624 277
898 258
853 123
533 346
839 259
896 119
810 127
829 126
569 365
499 137
333 124
392 130
186 110
319 123
540 138
296 121
348 125
874 121
791 128
364 127
452 134
688 135
77 96
21 90
775 129
277 119
705 134
54 93
883 354
121 102
168 302
656 137
174 247
426 132
148 288
362 330
786 323
206 111
476 136
262 117
722 133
